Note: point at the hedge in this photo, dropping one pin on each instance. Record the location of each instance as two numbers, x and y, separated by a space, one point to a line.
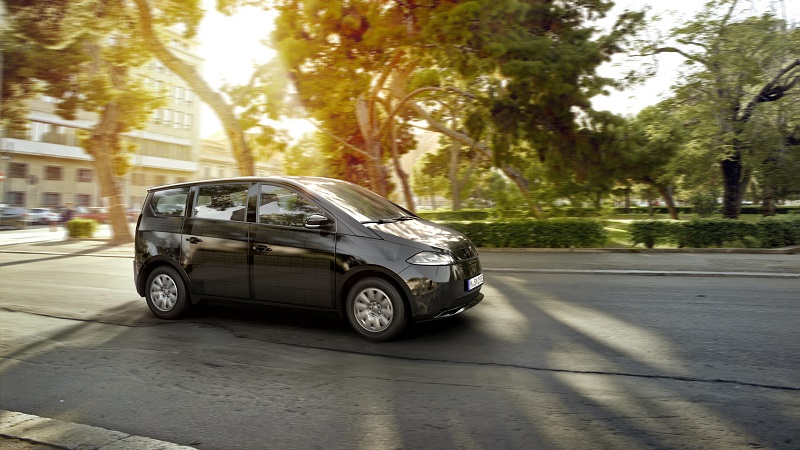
768 232
81 228
547 233
460 215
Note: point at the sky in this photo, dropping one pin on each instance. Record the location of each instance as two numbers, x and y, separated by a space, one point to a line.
231 46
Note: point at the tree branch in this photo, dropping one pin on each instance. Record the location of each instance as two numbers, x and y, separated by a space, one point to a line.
784 81
213 99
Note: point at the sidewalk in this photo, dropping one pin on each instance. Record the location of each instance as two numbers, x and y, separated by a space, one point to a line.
760 263
20 431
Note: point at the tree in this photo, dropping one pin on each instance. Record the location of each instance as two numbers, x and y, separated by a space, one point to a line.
736 67
362 69
187 13
82 54
652 141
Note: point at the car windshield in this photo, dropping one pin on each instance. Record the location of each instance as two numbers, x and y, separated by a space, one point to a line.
358 202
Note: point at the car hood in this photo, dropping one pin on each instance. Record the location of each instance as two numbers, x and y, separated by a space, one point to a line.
425 235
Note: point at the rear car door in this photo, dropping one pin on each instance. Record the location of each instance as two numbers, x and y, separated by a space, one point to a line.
292 264
215 241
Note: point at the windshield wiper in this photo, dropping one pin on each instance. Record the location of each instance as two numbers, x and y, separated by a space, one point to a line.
390 220
379 221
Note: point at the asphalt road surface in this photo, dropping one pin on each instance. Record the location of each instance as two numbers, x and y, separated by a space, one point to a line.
556 361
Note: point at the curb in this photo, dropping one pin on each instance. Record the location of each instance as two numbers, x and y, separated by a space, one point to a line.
795 249
647 273
40 430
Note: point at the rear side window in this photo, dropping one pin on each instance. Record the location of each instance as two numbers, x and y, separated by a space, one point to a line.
222 202
170 202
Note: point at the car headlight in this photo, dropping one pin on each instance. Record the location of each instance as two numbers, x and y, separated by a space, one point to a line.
431 259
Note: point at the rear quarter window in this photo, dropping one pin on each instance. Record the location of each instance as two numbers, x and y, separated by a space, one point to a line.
170 202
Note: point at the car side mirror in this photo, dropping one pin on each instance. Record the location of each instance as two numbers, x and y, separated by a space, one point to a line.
317 221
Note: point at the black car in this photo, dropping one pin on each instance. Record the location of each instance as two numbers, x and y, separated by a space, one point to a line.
305 242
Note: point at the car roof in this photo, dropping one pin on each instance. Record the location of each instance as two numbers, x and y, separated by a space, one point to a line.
290 179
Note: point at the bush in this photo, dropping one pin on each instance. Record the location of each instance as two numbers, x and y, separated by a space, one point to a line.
705 204
652 232
768 232
547 233
779 231
702 233
461 215
81 228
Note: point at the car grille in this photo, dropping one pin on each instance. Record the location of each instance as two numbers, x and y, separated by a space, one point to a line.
460 303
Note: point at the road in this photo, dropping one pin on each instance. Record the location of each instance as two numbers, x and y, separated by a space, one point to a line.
548 360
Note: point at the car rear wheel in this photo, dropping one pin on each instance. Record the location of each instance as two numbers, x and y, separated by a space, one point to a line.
165 293
376 310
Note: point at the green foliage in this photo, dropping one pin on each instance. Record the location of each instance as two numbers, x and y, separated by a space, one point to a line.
81 228
779 231
461 215
548 233
703 203
737 99
768 232
651 232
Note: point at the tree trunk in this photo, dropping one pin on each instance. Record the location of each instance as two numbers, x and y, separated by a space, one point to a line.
401 174
372 142
666 194
455 185
768 204
733 182
102 143
244 157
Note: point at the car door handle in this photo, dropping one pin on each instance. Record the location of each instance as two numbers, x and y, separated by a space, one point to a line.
262 249
194 240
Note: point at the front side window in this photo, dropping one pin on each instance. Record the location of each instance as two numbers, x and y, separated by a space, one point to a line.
170 202
222 202
281 206
358 202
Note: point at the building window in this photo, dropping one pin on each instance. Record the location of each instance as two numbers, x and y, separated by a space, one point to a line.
51 199
179 93
83 200
137 179
16 198
167 118
178 119
18 170
161 180
180 180
84 175
157 114
188 97
41 132
55 173
187 121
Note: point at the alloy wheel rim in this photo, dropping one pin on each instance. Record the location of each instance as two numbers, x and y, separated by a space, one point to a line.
164 293
373 310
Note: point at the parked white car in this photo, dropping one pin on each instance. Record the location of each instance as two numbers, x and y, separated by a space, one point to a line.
41 216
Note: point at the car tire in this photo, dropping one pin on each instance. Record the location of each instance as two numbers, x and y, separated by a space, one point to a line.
165 293
375 309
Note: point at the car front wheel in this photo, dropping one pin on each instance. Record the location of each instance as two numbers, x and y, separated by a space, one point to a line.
376 310
165 293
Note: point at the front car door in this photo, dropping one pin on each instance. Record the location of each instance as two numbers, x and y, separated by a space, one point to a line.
216 241
292 264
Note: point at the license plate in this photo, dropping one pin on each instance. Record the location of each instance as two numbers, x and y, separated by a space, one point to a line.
474 282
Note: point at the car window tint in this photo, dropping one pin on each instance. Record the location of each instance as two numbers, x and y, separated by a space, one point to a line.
281 206
170 202
222 202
